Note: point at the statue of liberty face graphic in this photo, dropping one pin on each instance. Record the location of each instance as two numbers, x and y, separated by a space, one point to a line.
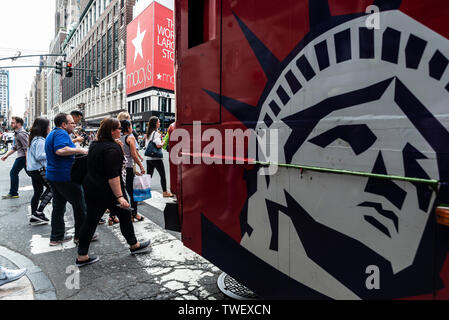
355 100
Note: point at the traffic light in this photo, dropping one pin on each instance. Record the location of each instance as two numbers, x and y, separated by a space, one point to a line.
95 81
59 67
68 70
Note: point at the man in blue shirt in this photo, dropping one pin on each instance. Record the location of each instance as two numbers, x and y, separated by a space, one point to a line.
61 152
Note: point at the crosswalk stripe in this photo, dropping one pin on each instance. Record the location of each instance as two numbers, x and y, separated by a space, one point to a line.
26 188
41 244
158 201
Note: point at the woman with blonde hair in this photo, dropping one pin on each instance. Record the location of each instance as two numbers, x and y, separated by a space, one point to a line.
123 116
131 154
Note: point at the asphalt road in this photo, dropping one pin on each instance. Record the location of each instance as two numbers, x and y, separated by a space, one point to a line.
169 271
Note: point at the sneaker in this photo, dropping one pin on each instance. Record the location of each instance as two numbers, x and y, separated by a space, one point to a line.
36 222
91 260
94 238
58 242
8 275
39 216
144 246
10 196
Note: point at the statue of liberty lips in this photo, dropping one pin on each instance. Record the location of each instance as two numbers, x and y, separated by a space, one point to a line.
354 99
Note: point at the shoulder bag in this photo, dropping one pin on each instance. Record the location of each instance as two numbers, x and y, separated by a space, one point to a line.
152 150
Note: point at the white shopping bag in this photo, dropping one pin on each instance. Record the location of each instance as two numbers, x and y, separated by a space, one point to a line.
142 187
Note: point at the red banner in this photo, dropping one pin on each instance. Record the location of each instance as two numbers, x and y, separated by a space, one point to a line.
150 50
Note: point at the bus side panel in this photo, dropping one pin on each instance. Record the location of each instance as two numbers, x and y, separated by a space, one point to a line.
200 197
307 234
198 61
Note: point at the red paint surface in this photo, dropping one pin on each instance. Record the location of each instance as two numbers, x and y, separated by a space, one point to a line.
432 13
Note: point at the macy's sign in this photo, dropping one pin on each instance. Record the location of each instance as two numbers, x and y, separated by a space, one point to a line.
140 76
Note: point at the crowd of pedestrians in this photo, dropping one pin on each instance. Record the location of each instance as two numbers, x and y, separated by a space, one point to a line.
111 163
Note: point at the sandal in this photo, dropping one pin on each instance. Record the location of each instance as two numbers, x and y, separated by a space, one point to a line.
134 217
113 220
167 194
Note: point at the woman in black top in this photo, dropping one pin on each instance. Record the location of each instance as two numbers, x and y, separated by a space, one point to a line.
104 189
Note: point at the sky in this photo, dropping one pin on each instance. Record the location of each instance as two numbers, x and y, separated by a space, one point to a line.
27 26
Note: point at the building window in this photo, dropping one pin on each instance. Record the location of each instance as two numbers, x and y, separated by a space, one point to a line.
164 104
147 104
94 62
134 107
109 51
98 59
115 46
103 64
82 74
89 66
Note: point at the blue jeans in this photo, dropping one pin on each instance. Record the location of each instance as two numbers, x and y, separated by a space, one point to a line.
18 165
64 192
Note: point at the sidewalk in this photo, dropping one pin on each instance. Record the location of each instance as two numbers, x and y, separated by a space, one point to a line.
35 285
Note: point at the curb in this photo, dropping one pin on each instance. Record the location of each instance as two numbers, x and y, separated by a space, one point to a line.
43 288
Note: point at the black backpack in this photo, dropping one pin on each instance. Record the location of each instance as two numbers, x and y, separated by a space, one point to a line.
79 168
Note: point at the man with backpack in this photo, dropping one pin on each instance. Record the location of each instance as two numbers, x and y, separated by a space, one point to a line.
61 153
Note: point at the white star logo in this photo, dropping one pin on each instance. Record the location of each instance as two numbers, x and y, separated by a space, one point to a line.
159 76
137 42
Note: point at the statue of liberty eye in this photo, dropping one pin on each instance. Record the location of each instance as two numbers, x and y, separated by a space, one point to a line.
303 122
358 136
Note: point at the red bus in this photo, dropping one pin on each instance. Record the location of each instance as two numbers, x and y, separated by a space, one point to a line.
357 95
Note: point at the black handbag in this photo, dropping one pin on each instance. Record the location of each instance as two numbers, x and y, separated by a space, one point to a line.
152 150
79 168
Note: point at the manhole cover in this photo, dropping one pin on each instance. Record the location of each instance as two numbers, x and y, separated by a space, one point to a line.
230 287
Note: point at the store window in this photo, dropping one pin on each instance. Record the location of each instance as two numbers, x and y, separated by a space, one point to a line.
164 104
147 104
